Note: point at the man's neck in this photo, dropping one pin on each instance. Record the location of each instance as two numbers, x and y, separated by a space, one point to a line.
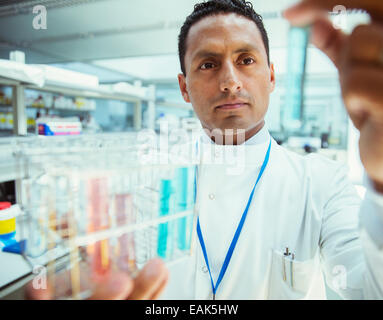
237 137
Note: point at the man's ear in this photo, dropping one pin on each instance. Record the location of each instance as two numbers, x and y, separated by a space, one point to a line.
272 77
183 87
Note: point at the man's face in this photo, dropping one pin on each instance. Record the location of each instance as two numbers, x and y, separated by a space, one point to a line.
228 79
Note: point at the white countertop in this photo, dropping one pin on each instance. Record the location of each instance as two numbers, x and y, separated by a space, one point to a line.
12 267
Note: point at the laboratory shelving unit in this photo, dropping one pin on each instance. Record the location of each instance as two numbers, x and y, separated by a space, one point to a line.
21 77
20 84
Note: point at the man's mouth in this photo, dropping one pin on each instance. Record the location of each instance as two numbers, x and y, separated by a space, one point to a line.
231 106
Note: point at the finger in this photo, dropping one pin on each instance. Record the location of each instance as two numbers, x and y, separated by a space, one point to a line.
328 39
301 16
363 95
307 11
37 294
149 280
366 45
160 289
115 286
371 149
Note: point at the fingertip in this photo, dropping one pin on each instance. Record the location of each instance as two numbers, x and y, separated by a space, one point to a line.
319 33
162 287
37 294
116 286
152 280
155 268
328 39
292 10
304 13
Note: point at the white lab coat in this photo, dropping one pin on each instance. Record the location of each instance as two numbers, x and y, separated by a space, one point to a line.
305 203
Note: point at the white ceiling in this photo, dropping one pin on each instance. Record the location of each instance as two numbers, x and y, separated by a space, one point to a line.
117 39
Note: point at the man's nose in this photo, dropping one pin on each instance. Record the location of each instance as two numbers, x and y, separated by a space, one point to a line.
230 81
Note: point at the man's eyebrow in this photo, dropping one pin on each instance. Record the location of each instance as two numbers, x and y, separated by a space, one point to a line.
207 53
247 48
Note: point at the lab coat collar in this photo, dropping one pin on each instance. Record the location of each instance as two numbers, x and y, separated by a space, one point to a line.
250 153
261 137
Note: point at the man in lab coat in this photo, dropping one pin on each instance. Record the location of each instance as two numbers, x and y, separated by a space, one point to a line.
272 230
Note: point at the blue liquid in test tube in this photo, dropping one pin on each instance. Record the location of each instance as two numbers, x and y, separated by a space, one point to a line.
298 39
165 243
185 201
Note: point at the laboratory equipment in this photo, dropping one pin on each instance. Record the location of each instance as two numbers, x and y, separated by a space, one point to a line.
94 205
185 199
166 208
7 224
58 126
125 215
298 39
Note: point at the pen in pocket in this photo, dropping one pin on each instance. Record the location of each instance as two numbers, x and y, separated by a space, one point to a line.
291 255
292 271
285 254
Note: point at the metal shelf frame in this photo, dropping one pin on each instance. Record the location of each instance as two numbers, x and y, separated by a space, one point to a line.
18 101
12 172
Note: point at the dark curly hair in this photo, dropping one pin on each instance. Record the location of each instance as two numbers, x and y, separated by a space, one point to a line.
213 7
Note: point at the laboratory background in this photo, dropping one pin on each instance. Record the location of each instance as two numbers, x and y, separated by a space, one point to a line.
78 80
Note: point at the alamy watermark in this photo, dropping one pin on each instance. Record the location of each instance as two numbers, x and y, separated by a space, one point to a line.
40 20
339 280
40 279
339 14
172 146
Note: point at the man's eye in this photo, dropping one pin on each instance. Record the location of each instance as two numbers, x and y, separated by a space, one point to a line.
248 61
207 65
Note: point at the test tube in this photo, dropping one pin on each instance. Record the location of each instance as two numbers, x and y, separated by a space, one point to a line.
298 39
125 214
36 211
98 220
185 201
166 207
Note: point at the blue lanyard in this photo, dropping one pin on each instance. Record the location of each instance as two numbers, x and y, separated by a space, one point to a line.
237 232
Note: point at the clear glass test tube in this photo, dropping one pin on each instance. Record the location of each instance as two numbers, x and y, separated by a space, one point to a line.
298 39
185 202
166 207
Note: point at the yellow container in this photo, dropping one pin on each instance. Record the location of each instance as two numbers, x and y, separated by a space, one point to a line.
7 226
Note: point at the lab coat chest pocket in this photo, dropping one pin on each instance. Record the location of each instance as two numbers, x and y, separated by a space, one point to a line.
290 279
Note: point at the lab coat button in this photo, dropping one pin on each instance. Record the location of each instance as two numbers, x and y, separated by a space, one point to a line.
211 196
204 269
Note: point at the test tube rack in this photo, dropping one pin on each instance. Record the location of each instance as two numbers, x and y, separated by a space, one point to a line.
97 204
